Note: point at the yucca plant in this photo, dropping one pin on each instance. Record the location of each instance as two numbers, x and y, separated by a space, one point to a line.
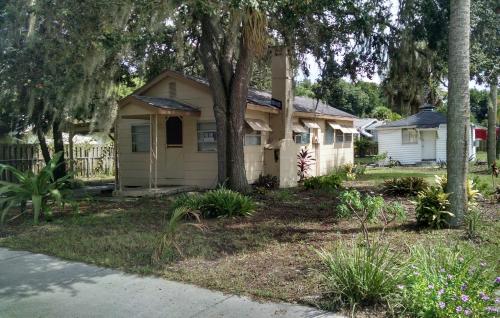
41 188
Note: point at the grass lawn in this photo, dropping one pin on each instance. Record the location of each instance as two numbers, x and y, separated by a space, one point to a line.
270 255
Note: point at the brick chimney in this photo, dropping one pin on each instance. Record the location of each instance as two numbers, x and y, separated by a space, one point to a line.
281 93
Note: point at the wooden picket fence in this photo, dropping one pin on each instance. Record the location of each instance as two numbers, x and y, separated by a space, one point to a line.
88 160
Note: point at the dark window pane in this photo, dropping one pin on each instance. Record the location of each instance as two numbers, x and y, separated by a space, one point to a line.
174 131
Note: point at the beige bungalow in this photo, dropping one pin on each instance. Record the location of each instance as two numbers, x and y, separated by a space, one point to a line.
166 132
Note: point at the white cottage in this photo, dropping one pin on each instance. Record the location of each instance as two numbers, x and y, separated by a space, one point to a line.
418 139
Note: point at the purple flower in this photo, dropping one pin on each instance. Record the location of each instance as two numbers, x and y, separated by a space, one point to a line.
463 287
465 298
442 270
441 291
497 280
497 300
467 312
442 305
430 286
458 309
491 309
450 277
485 297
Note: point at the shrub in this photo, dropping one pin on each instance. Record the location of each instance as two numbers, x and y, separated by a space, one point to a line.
360 275
304 162
223 202
268 182
447 282
432 203
368 209
352 171
220 202
328 182
406 186
433 207
41 188
364 145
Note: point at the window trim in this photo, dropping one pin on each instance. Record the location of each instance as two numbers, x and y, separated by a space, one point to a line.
133 143
409 142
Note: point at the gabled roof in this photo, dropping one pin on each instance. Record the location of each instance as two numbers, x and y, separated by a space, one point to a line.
257 97
423 119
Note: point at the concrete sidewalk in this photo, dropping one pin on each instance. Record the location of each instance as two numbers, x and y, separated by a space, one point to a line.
35 285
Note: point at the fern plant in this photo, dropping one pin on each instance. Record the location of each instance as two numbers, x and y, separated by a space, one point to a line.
41 188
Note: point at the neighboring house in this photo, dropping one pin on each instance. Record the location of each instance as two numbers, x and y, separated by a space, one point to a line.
166 132
367 127
418 138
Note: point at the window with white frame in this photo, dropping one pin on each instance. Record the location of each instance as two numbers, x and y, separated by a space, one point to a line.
207 136
253 137
347 137
140 138
409 136
339 136
329 135
302 138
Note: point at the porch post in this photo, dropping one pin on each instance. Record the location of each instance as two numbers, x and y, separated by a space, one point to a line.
71 146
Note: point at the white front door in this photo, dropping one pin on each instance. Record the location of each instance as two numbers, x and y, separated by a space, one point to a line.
428 144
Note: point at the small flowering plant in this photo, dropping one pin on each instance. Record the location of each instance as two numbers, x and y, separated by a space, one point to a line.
442 283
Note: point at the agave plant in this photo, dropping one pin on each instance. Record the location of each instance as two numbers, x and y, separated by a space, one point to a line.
41 188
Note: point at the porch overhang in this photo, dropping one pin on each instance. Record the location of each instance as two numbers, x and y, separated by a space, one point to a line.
157 106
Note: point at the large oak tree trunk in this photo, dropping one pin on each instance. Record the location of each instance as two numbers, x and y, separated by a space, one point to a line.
229 87
43 145
458 108
492 124
60 171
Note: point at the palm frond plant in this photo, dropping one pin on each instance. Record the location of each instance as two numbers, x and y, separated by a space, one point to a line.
41 188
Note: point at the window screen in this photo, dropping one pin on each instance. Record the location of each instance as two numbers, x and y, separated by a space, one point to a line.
302 138
339 135
140 138
409 135
329 135
207 137
347 137
174 131
253 138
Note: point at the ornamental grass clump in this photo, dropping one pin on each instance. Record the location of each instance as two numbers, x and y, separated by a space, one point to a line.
447 282
358 275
